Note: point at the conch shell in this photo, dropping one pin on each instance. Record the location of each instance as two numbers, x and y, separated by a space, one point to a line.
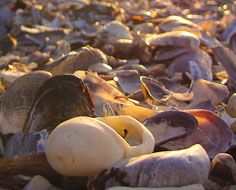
85 146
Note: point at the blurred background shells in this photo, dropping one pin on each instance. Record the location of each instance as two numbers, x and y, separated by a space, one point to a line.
168 66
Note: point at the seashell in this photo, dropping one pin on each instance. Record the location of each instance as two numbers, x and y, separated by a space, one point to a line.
213 133
172 22
169 53
113 31
156 93
229 34
138 112
9 76
102 92
133 66
223 168
227 59
100 68
107 148
198 64
192 187
205 90
153 90
145 28
174 38
231 108
39 182
161 169
169 125
16 102
58 99
128 80
82 59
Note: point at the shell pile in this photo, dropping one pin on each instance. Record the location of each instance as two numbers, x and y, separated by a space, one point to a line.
117 94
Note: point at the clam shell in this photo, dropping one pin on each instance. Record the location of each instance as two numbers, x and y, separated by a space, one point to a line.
174 38
172 22
113 31
128 80
213 133
58 99
82 59
161 169
17 101
169 125
209 91
198 64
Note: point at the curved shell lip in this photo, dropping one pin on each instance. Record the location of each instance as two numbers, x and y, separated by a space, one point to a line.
220 123
146 90
176 116
146 146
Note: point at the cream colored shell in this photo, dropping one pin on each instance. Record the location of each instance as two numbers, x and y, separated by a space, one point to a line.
85 146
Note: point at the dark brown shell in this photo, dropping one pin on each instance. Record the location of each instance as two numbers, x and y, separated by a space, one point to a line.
58 99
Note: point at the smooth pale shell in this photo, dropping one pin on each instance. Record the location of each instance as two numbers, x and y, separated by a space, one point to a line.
85 146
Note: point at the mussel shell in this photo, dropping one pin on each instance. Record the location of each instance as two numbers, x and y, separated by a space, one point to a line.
170 125
58 99
213 133
153 90
17 101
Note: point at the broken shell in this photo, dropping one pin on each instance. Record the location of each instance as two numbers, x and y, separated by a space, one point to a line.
229 35
114 31
60 98
133 132
192 187
231 108
172 22
169 125
128 80
213 133
102 92
39 182
153 90
138 112
223 167
198 64
174 38
73 150
227 58
16 102
204 90
161 169
77 60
